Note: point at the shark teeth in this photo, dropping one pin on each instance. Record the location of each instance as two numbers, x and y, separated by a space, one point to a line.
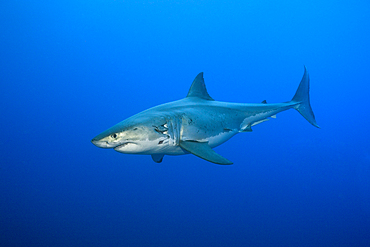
124 144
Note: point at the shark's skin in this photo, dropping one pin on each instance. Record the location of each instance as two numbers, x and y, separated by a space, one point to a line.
195 124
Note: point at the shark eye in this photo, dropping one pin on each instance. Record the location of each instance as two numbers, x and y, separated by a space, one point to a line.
113 135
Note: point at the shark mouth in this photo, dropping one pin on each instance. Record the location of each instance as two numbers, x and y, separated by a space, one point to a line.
119 147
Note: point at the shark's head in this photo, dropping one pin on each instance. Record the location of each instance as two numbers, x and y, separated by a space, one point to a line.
139 134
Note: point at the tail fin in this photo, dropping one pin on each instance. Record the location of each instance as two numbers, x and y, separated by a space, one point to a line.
302 97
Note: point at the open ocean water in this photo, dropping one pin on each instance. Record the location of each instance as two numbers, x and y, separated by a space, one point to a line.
71 69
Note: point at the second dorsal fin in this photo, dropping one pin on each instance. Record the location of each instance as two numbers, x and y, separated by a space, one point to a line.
198 88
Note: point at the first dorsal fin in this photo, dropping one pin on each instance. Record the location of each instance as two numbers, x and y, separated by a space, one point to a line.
198 88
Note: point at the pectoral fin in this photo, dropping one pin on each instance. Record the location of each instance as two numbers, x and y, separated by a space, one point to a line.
157 157
204 151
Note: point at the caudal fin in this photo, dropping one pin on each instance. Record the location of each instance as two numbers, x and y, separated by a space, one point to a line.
302 97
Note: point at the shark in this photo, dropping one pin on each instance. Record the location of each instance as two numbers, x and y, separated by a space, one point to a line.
196 124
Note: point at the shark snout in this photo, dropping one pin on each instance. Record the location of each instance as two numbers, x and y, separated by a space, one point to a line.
101 144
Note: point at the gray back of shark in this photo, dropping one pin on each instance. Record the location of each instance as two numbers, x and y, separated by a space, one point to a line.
196 124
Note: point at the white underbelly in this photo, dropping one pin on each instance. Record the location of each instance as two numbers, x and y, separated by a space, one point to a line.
217 140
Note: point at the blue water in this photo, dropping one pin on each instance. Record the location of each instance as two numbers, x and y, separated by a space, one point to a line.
71 69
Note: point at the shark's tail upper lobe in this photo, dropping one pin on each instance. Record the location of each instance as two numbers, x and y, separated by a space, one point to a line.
302 97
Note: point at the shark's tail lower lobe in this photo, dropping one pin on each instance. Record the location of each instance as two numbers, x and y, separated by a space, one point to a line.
302 98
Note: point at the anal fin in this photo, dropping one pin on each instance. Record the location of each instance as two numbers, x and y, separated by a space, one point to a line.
247 129
204 151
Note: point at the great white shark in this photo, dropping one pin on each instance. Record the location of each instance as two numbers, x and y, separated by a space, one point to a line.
196 124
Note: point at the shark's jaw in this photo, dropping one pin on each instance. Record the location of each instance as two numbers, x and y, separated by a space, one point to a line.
122 148
159 145
116 146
